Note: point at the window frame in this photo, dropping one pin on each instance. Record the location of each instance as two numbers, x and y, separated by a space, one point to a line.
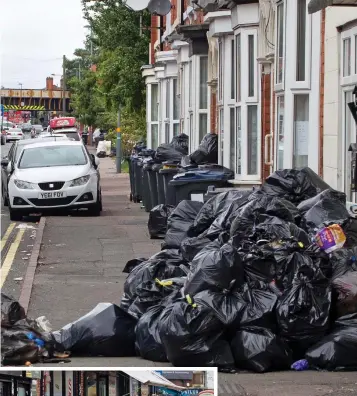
151 123
305 84
196 84
352 78
277 129
280 86
241 105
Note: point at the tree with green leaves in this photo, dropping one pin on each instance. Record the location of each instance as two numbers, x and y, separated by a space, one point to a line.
119 52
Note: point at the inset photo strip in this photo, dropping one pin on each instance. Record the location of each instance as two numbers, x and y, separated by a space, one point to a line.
99 382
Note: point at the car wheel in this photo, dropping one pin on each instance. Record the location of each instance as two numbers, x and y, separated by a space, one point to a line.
2 140
15 215
95 209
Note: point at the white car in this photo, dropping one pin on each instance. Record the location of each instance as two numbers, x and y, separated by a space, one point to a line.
54 175
14 134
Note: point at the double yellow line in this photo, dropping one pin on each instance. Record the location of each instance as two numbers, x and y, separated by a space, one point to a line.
10 256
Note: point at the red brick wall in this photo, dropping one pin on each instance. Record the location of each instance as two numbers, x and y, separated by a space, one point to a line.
213 112
154 37
322 95
174 10
265 119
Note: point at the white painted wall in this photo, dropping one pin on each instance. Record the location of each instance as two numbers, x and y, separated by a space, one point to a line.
332 152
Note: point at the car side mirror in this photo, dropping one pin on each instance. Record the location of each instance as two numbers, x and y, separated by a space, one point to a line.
4 162
95 160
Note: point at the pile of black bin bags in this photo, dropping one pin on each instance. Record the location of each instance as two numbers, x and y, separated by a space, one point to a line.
239 284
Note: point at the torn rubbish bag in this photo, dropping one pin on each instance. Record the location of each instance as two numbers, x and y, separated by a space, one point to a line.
258 349
303 311
157 224
295 185
107 330
180 222
338 350
11 311
192 337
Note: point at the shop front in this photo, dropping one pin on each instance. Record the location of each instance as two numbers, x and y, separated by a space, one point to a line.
15 384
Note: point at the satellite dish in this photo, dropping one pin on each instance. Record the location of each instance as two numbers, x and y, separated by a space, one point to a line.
137 5
159 7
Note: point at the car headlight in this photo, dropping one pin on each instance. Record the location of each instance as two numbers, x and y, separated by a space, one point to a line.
23 185
80 181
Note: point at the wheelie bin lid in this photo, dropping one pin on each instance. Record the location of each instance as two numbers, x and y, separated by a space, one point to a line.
168 171
204 175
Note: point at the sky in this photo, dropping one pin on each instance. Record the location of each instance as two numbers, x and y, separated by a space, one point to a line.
34 36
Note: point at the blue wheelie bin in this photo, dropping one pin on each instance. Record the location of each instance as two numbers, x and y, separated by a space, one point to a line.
193 184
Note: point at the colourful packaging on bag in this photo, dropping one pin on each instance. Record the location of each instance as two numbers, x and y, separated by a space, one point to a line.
330 238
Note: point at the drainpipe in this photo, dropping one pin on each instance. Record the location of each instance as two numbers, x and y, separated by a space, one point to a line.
182 10
161 33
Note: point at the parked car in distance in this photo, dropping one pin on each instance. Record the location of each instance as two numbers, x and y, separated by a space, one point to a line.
54 175
37 128
26 128
14 134
72 133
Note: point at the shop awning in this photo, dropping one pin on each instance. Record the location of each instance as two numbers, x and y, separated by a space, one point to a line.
151 378
318 5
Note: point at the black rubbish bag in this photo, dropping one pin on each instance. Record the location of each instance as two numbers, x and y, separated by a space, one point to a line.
179 223
192 246
258 349
192 337
330 208
343 261
17 348
350 230
157 224
295 185
215 206
330 194
207 152
257 264
260 303
303 311
131 264
338 350
180 143
11 311
228 305
166 152
107 330
148 342
274 228
260 204
214 270
346 287
152 293
163 265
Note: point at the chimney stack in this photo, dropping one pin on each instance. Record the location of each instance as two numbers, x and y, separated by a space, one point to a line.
49 83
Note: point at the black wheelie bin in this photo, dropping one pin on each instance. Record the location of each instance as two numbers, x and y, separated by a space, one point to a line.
167 173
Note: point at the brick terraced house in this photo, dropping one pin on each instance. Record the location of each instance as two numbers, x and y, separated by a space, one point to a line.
271 77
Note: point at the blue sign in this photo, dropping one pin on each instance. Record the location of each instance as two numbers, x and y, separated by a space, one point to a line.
1 109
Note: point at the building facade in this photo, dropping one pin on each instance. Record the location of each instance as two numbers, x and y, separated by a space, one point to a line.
271 77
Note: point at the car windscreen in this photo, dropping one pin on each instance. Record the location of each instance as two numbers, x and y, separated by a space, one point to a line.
48 156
